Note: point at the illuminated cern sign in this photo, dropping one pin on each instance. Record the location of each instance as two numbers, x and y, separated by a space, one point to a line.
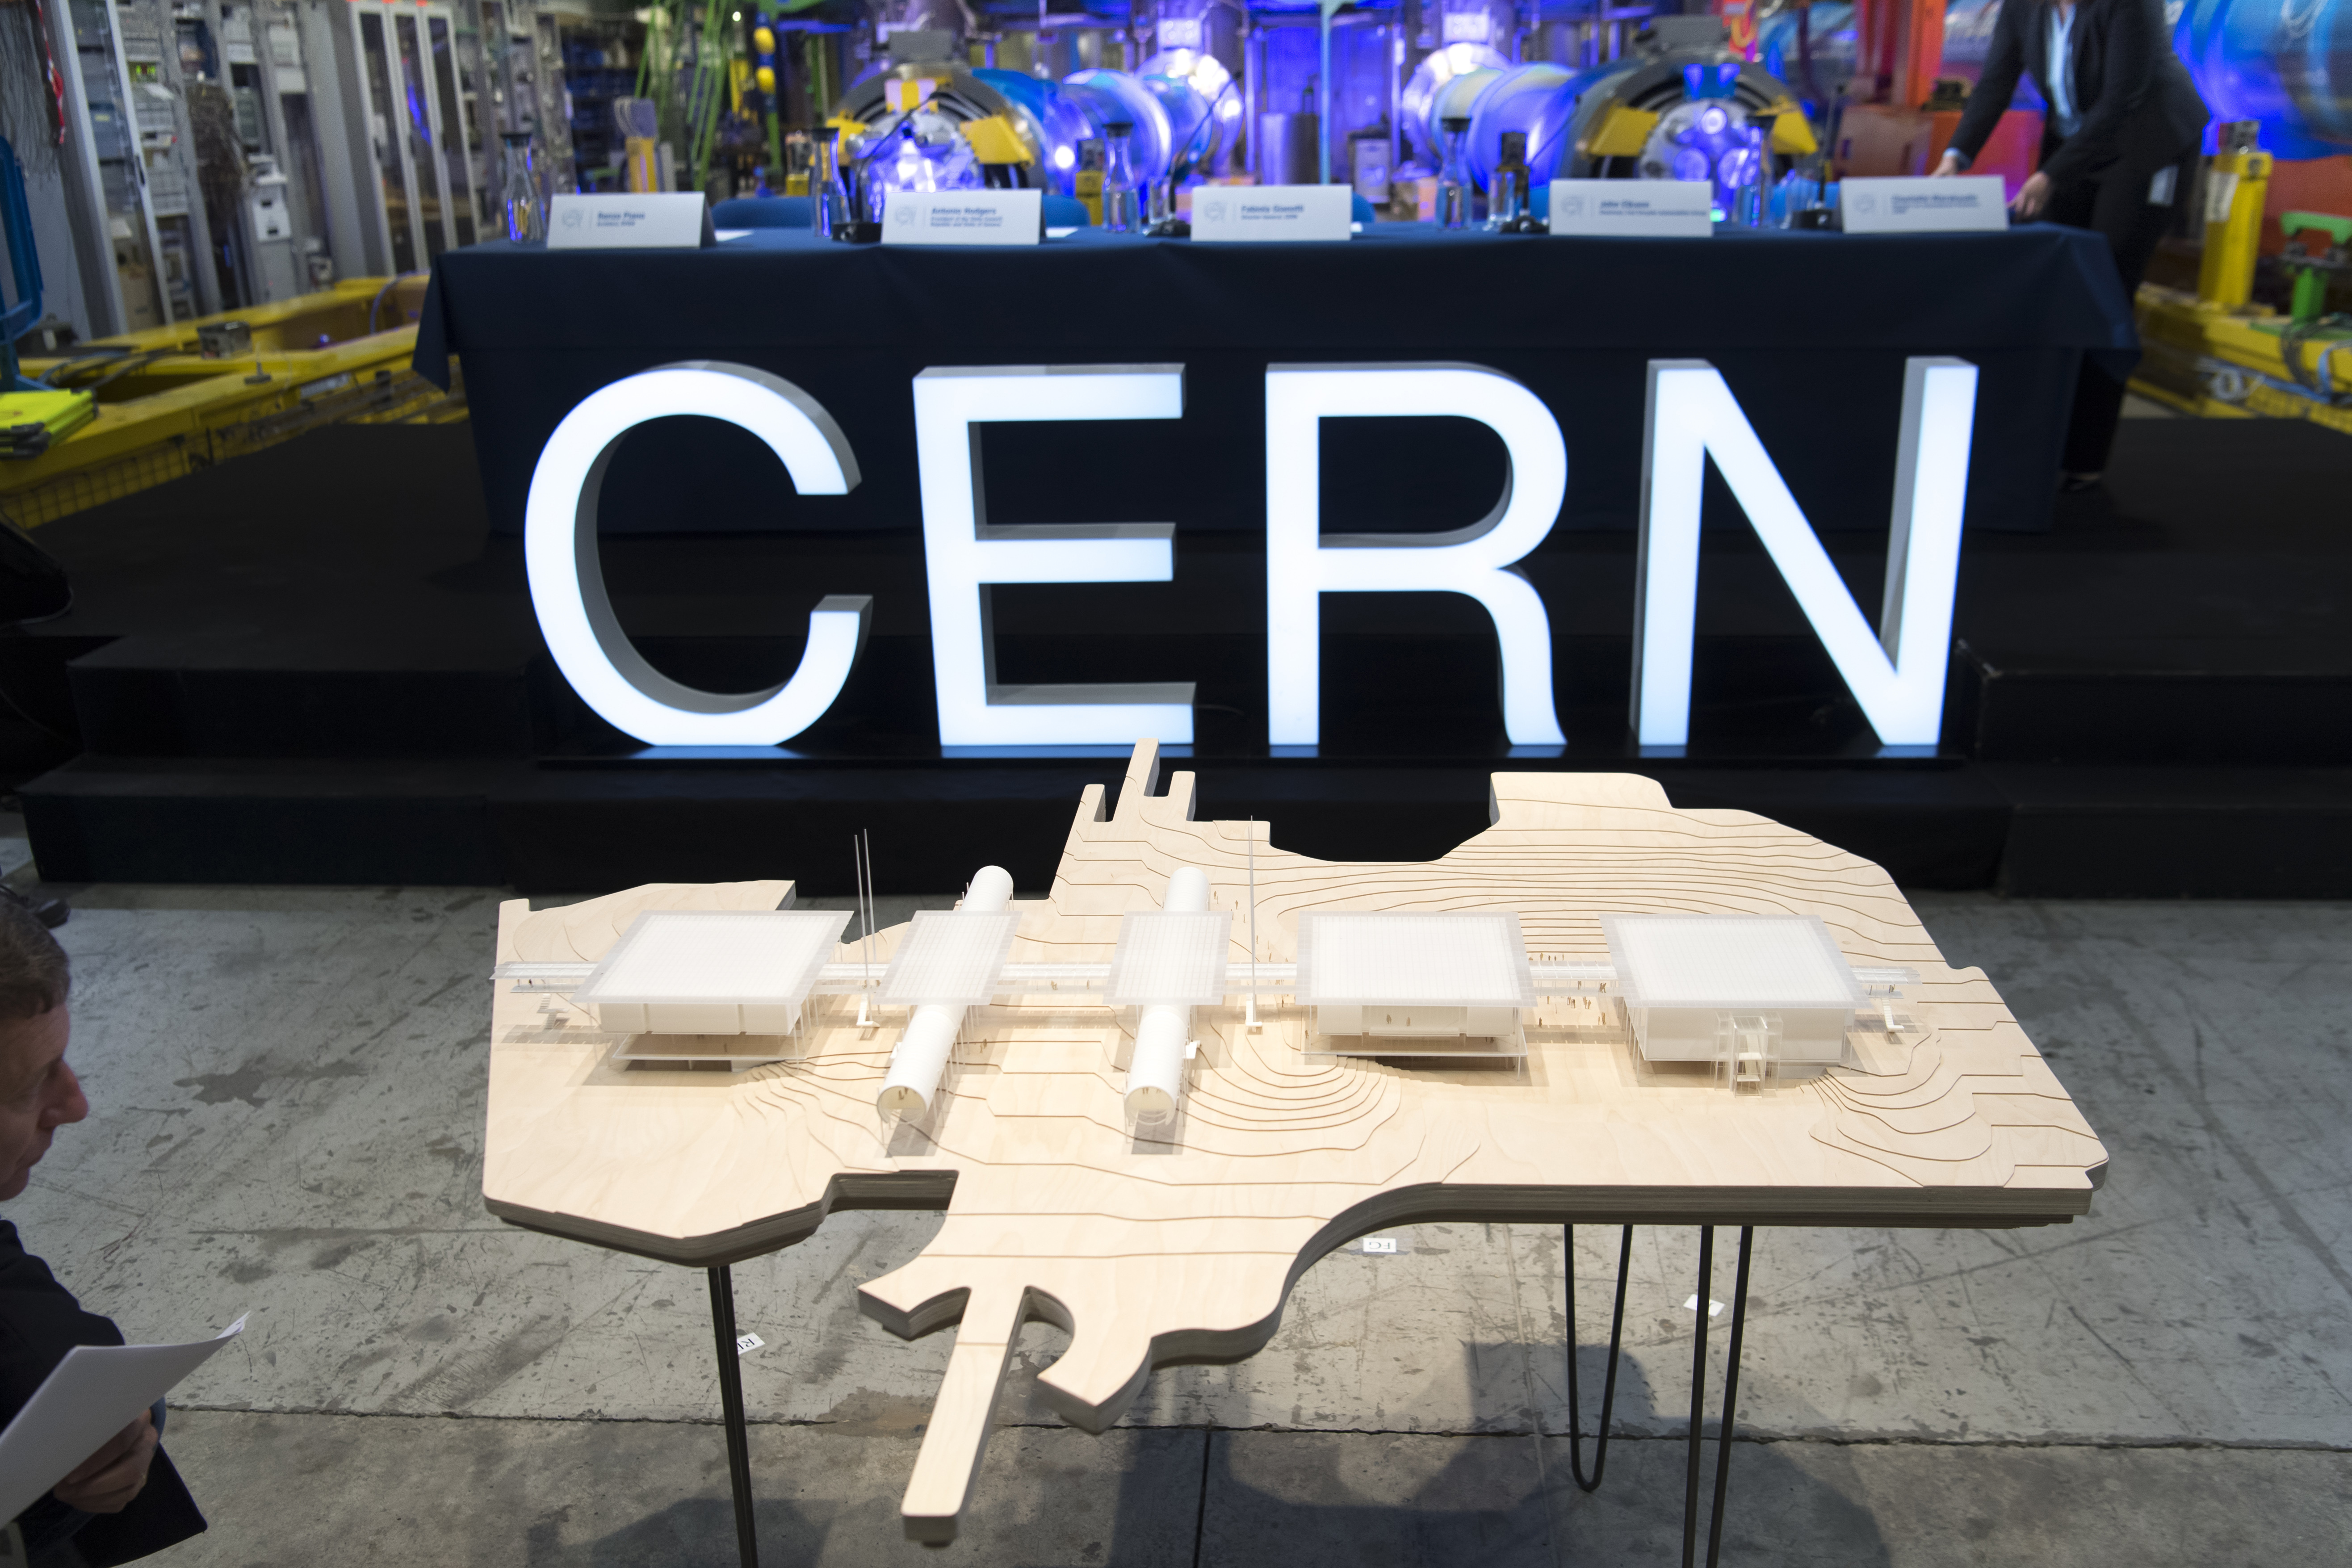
1896 675
567 581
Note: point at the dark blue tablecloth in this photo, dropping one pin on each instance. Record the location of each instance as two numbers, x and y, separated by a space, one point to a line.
1811 330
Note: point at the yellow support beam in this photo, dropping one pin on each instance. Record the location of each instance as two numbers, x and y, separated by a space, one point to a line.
1792 135
1622 133
2237 183
313 363
2202 361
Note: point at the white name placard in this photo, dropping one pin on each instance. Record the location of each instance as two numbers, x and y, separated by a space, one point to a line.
963 217
1911 204
1652 209
1227 214
632 222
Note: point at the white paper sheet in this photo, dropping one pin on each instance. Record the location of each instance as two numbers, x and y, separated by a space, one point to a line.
94 1393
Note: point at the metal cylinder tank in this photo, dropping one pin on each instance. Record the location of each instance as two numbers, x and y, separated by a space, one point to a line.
1526 99
1173 122
2286 63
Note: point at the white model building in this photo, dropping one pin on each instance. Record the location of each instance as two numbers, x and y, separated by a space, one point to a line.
1415 984
950 961
1745 992
1167 962
711 972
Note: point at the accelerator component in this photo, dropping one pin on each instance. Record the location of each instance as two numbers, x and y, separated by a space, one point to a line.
936 124
949 962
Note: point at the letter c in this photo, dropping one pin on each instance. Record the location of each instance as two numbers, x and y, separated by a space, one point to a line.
567 579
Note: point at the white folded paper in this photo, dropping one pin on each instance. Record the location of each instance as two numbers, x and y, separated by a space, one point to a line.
1651 209
962 217
666 221
1909 204
1230 214
94 1393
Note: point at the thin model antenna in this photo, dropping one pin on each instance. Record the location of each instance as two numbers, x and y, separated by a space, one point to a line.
862 847
1249 1015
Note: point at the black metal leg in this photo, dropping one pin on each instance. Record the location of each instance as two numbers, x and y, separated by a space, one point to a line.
1609 1383
1698 1397
1730 1398
1698 1394
731 1402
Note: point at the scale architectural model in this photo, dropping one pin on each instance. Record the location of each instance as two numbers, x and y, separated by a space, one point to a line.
1150 1100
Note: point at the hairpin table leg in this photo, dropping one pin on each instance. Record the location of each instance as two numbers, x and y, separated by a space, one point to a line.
1698 1397
730 1403
1698 1393
1609 1383
1730 1397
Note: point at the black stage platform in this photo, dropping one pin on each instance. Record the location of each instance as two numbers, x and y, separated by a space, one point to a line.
317 665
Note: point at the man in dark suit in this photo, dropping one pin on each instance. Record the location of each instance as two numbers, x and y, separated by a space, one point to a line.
2118 150
125 1501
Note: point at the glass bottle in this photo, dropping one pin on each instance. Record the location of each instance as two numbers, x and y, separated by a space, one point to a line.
1122 209
1748 204
1507 197
1453 186
526 210
829 211
874 184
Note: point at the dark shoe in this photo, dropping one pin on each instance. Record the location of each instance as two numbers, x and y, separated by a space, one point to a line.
50 912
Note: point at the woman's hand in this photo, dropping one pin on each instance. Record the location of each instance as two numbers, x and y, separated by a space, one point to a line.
109 1478
2034 197
1948 168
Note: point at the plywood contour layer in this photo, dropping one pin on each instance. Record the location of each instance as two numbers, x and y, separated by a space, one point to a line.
1153 1242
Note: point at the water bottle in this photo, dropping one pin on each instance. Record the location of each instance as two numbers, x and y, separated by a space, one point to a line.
1122 212
1454 178
830 211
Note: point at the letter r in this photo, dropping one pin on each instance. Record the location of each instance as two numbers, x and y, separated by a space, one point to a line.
1303 562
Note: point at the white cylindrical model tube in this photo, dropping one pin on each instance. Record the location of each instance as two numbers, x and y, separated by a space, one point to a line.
1155 1075
920 1056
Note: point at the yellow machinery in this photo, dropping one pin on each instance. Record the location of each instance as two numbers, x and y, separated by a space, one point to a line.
167 407
2236 182
2226 366
2213 352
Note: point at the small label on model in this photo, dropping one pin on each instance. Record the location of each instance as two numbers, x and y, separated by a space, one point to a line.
746 1343
1227 214
1650 209
962 217
1963 203
632 222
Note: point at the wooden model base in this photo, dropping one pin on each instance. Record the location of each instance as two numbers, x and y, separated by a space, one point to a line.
1180 1241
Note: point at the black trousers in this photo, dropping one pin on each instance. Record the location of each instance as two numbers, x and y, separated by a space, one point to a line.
2115 203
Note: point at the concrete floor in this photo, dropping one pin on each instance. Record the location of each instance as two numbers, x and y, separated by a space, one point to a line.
288 1084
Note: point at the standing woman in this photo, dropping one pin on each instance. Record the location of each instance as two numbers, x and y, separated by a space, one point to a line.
2118 147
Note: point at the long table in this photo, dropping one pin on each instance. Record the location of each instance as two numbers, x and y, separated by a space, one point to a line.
1810 329
1181 1240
